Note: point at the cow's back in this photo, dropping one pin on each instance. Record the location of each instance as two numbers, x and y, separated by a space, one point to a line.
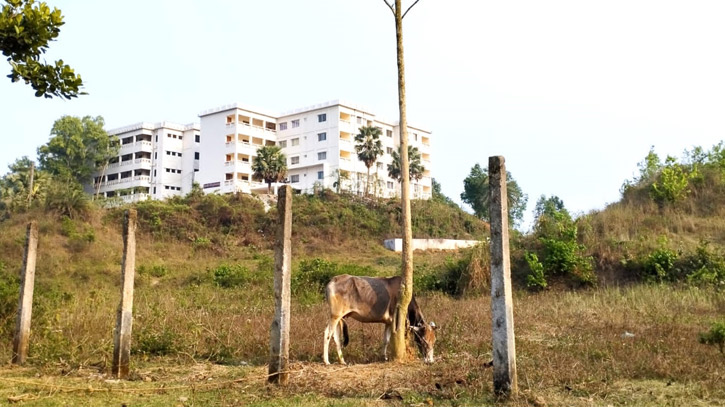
367 299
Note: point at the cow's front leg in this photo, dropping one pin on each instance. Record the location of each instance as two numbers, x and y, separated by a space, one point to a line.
386 340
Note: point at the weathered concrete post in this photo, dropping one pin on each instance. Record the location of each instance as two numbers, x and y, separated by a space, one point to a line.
504 347
279 331
124 315
25 303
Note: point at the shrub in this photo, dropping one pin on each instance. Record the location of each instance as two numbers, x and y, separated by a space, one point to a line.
535 280
157 270
313 275
201 243
705 266
230 276
715 336
672 183
156 343
470 274
660 264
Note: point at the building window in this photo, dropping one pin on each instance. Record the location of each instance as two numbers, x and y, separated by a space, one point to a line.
196 156
295 123
294 160
415 136
294 178
322 155
180 137
390 185
389 150
295 142
283 126
359 120
380 166
197 138
154 190
389 133
283 144
322 117
321 136
320 174
157 138
156 155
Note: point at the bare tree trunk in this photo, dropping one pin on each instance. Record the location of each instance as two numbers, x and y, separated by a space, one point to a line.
367 184
406 288
100 180
30 183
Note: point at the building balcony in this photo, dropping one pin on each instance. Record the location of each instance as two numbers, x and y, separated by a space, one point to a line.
135 197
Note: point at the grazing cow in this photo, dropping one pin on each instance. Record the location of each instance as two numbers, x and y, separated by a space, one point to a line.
372 299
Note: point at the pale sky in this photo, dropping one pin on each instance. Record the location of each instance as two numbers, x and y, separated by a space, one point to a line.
572 93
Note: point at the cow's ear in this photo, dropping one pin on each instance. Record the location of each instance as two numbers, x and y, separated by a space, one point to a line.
433 325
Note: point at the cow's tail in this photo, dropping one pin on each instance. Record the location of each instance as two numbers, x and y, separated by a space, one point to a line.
345 335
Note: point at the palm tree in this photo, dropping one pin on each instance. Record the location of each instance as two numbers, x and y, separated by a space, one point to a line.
368 147
414 166
270 165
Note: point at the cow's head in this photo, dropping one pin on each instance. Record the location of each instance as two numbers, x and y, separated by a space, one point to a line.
425 338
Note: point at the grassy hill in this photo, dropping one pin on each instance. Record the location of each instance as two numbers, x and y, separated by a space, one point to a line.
203 305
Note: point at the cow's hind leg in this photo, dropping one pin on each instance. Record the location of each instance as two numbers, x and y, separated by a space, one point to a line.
386 339
331 331
336 336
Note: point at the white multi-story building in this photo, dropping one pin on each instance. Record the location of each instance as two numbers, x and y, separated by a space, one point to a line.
319 142
155 161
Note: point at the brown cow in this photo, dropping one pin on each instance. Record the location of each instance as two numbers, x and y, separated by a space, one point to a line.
372 299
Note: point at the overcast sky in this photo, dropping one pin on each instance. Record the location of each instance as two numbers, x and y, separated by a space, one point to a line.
572 93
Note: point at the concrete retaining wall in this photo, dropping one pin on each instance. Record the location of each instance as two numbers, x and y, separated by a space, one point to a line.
430 244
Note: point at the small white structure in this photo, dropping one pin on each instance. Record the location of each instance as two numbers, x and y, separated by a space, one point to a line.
430 244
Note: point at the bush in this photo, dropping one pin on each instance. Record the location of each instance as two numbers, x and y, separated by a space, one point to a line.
705 266
715 336
230 276
156 343
313 275
660 264
157 270
469 274
535 280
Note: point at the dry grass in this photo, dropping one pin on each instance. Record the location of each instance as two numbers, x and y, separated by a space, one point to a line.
570 346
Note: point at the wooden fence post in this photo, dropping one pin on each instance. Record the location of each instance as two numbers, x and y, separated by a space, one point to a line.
124 315
25 303
504 347
279 331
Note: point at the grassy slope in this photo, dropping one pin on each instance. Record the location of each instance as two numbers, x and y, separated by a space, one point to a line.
570 344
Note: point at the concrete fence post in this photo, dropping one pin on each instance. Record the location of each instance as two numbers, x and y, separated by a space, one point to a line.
504 347
25 303
279 330
124 315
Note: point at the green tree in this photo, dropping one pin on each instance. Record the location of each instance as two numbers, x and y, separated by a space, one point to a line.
270 165
476 194
560 252
438 195
368 147
672 182
26 29
16 188
415 167
78 148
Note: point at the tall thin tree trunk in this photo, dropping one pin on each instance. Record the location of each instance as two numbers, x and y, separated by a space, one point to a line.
30 183
406 288
100 179
367 184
